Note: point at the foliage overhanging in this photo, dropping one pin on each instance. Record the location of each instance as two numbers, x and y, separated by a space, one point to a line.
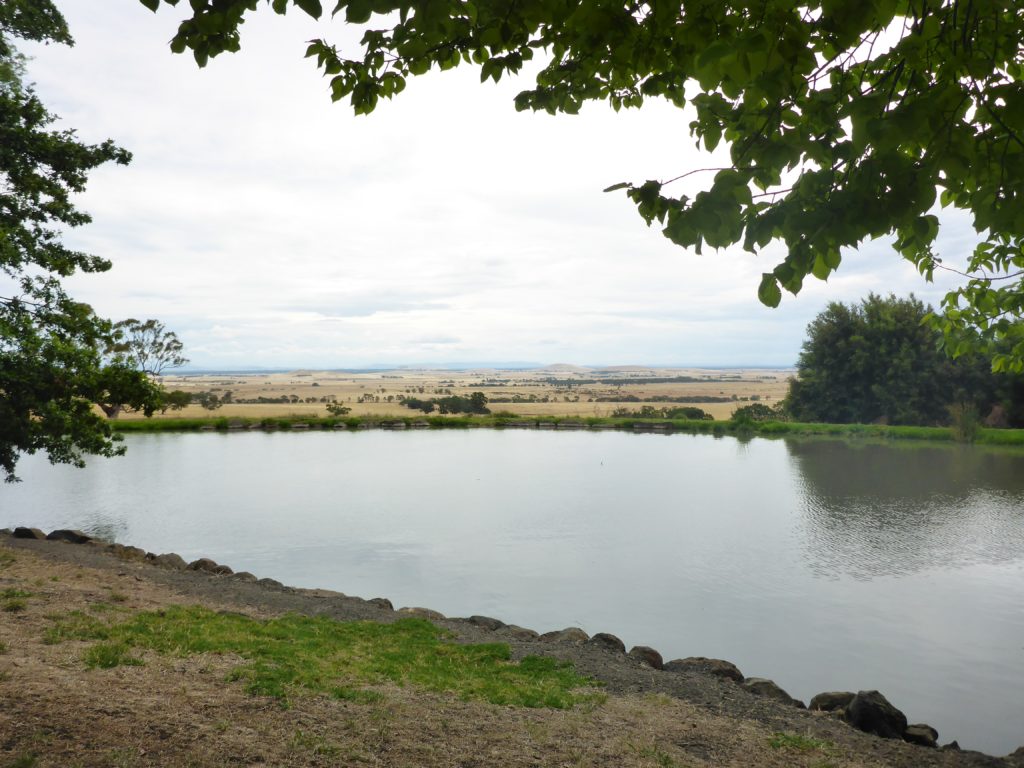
844 121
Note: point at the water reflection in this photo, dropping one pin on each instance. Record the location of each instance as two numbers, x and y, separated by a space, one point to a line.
823 564
871 510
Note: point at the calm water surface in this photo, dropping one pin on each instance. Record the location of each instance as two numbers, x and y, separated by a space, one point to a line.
824 565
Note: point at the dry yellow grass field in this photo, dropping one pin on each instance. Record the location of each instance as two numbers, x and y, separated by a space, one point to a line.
550 391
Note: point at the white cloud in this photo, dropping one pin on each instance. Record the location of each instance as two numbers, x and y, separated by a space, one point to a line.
270 227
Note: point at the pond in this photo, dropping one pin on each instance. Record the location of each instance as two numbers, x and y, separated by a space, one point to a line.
822 564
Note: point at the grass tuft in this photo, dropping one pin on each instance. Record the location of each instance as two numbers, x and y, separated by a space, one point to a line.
110 655
320 655
794 742
75 625
14 605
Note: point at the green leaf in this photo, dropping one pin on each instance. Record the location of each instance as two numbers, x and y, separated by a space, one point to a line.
311 7
358 11
614 187
769 293
153 5
712 134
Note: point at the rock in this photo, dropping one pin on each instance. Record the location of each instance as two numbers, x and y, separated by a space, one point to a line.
760 686
170 560
871 712
923 734
716 667
517 633
5 531
321 594
203 564
126 553
272 583
382 602
569 635
28 533
607 641
647 656
223 570
69 535
486 622
831 701
245 576
422 613
1015 758
955 747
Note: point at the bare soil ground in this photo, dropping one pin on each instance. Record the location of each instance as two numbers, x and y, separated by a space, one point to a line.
180 711
555 391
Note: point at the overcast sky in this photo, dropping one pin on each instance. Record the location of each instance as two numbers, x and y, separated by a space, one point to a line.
272 228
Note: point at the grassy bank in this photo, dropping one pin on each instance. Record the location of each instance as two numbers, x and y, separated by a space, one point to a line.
344 660
766 429
110 666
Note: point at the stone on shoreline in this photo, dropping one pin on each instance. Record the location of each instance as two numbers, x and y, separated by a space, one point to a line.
831 701
607 641
203 564
760 686
422 613
706 666
923 734
516 632
125 552
381 602
170 560
274 583
245 576
871 712
486 622
571 635
646 655
28 533
69 535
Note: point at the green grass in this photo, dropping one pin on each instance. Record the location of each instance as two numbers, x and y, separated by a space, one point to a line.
13 600
319 655
6 559
766 429
794 742
110 655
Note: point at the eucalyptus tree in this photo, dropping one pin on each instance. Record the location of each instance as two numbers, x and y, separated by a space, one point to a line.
146 345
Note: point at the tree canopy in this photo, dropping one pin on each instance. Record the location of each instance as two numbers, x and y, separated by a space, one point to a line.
876 361
146 345
844 121
51 363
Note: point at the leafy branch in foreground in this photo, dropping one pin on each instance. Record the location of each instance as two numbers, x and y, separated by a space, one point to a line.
844 121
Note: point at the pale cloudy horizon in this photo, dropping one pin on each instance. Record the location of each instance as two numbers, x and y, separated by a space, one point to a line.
271 228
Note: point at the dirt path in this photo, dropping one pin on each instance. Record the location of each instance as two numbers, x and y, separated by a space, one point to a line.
175 711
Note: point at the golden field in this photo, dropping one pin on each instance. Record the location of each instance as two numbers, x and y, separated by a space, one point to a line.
550 391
